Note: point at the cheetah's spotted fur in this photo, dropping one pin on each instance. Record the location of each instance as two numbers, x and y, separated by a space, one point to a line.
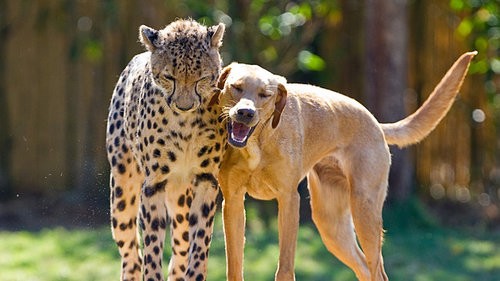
165 143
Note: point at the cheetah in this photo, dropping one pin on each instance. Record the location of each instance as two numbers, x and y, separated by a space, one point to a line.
164 142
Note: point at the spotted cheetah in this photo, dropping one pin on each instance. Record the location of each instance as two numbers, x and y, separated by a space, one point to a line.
165 142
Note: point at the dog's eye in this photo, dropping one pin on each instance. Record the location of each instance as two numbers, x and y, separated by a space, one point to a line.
237 88
263 95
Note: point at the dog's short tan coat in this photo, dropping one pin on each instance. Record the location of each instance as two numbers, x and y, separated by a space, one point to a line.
282 132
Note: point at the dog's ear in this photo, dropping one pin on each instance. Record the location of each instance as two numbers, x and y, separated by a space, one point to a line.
223 77
215 98
279 104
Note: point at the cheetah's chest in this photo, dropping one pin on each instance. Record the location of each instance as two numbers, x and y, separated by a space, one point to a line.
179 145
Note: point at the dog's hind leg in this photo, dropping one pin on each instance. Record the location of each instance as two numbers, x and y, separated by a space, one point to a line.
331 213
367 175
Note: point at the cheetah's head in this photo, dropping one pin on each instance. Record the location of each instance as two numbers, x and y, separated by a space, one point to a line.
185 62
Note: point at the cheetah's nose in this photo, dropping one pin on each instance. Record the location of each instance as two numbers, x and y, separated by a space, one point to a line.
182 109
185 109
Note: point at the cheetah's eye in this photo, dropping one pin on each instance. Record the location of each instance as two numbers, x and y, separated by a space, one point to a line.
203 79
169 77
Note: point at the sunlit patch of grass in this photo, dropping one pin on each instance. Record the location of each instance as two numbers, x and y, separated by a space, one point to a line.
478 255
418 249
58 254
417 252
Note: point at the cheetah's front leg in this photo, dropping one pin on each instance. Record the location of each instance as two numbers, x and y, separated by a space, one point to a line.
201 221
179 201
153 222
125 189
191 228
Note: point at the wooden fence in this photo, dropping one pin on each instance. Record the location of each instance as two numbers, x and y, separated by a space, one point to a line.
62 58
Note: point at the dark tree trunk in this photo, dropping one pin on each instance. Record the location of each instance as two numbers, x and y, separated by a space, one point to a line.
5 135
385 75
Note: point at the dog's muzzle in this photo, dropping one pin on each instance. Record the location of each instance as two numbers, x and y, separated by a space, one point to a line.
239 128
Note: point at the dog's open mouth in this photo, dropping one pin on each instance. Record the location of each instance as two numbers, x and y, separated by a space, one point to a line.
239 133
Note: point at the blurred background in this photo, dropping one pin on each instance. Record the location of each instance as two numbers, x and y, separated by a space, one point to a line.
60 59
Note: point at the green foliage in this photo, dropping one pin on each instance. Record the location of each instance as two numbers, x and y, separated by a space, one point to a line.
412 251
277 25
480 26
93 50
310 61
278 35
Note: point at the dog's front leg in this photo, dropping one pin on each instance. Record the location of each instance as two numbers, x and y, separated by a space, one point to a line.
233 211
288 224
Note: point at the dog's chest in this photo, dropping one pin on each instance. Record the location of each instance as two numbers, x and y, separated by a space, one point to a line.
260 182
261 186
252 155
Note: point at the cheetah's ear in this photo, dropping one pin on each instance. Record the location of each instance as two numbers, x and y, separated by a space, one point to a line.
216 39
149 37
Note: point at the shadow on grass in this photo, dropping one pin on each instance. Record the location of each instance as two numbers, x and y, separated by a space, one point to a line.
415 249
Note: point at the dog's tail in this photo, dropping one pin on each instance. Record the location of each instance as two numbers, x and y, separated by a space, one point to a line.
417 126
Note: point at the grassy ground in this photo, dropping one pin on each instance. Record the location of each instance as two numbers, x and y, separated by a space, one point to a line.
412 251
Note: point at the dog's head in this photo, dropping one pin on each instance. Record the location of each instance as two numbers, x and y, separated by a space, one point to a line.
250 95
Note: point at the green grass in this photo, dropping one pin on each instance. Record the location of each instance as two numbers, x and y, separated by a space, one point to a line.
417 252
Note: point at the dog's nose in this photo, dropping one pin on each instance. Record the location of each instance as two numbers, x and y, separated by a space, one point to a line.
245 113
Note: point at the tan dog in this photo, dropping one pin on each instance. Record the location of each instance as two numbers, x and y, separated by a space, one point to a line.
281 133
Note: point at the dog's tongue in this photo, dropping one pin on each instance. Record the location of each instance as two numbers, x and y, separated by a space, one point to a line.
240 132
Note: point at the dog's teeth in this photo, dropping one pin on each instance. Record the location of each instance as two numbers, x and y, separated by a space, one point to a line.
237 138
239 132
